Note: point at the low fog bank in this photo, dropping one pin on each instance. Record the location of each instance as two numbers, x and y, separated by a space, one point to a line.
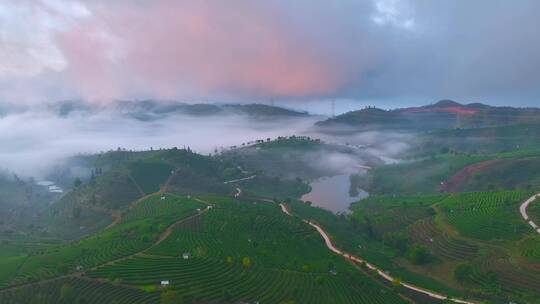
371 149
33 142
307 158
388 146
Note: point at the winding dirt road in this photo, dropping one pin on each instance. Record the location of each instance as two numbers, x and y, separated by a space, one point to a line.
80 273
384 275
240 179
117 215
523 211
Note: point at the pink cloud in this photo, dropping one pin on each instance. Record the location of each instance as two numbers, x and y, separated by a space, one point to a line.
180 49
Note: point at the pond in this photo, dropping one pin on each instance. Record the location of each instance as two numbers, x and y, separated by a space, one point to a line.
333 193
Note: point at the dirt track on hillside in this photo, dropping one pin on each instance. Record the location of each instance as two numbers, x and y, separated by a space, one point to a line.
463 175
355 259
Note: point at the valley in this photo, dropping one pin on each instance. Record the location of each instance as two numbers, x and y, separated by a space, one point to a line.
269 152
291 219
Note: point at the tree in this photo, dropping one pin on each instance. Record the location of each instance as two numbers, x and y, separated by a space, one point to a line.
419 255
397 240
246 262
463 272
77 183
67 293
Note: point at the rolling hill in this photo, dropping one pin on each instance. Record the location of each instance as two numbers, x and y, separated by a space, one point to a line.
445 114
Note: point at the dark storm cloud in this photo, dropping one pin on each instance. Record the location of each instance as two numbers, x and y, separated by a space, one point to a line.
475 50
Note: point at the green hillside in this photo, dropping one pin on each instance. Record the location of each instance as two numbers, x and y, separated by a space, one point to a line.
247 251
297 157
445 114
475 243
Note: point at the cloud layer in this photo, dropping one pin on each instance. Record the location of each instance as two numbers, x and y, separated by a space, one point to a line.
43 139
257 50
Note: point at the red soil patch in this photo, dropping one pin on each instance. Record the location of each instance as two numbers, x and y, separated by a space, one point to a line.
455 110
461 177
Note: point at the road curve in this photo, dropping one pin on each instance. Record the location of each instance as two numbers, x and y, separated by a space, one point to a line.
523 211
240 179
383 274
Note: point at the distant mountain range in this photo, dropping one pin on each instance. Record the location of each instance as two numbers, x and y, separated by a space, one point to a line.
149 110
441 115
445 114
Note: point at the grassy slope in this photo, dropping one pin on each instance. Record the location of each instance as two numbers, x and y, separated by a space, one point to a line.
518 173
422 176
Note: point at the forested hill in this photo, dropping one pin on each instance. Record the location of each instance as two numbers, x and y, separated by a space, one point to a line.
148 110
444 114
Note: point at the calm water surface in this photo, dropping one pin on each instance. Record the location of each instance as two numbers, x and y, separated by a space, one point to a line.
333 193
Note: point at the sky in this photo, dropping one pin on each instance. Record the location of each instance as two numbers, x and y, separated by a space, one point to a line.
299 53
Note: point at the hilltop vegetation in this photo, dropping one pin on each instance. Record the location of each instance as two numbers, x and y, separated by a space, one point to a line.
458 160
417 176
445 114
115 179
150 110
518 139
299 157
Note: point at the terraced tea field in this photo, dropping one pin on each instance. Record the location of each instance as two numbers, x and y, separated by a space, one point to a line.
141 227
238 251
442 245
248 252
209 279
498 274
256 231
487 215
77 290
530 250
